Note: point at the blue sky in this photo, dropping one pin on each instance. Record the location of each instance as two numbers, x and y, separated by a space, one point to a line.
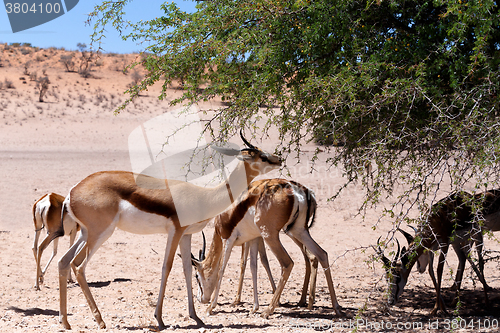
69 29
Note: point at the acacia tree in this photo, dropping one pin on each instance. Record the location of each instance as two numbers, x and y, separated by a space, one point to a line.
411 87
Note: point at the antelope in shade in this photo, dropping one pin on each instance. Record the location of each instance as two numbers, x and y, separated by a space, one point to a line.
449 219
47 215
266 208
462 245
113 199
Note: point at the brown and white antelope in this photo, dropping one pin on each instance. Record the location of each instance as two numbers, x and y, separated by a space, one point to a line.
266 208
450 221
489 220
490 209
462 243
47 215
113 199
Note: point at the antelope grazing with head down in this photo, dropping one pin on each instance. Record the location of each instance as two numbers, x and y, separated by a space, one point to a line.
47 214
462 243
113 199
489 219
266 208
254 247
451 221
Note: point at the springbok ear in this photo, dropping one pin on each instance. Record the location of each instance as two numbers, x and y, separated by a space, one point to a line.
225 150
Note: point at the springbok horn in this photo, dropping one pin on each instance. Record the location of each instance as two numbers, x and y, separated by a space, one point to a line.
414 229
193 259
248 144
409 238
397 253
385 260
202 251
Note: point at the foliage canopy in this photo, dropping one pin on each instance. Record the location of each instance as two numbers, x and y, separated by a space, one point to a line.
409 86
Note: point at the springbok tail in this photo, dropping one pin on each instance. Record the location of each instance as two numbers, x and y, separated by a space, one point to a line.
311 207
60 230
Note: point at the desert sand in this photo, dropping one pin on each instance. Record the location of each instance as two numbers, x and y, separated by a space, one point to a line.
50 146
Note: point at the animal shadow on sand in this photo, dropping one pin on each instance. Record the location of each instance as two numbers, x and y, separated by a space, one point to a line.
472 302
101 284
33 311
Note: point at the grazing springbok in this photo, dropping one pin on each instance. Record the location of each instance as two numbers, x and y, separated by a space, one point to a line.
462 247
115 199
489 217
266 208
47 215
451 220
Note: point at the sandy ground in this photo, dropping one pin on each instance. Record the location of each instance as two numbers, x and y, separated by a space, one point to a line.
50 146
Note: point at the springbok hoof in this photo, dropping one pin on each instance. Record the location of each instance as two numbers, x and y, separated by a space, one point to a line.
236 303
266 313
65 324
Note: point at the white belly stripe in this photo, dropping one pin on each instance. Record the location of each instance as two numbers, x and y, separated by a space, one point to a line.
136 221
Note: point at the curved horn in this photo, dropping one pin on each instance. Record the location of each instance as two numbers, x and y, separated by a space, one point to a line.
414 229
202 251
397 253
248 144
409 238
385 260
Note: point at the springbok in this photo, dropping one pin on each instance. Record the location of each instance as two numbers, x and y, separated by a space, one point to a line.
490 209
267 207
489 215
47 214
462 247
451 220
113 199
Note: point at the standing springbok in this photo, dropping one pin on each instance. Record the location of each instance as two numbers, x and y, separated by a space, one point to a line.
47 214
451 220
266 208
113 199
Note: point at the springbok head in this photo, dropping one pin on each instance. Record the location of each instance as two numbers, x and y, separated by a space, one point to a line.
423 260
205 279
257 160
397 271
